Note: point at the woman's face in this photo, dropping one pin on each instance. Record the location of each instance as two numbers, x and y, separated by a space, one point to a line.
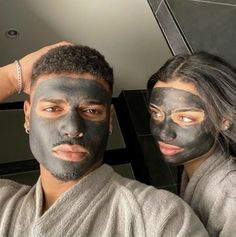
179 122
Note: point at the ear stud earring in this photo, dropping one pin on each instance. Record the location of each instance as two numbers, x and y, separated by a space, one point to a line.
226 124
226 127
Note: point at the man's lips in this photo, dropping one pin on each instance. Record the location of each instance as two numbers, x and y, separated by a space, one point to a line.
169 150
70 152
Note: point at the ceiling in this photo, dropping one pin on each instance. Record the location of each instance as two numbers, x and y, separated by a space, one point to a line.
125 31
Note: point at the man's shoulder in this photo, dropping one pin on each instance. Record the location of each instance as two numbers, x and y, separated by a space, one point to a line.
160 209
146 194
10 183
10 187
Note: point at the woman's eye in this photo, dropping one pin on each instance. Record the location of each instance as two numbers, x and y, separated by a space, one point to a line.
157 115
188 118
185 119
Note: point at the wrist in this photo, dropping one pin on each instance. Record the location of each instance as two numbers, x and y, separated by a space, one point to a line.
8 74
13 77
19 78
8 83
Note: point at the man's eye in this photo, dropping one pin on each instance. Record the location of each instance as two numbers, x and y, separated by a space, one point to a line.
52 109
91 111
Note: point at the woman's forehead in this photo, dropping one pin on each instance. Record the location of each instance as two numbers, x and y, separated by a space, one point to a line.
179 84
170 98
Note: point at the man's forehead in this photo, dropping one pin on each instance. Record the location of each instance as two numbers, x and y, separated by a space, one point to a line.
70 87
78 76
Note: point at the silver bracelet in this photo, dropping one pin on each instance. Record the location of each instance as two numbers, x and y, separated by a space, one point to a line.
19 76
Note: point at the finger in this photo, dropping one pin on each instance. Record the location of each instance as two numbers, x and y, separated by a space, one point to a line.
61 43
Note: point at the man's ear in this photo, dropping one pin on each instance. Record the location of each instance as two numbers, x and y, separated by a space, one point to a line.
27 107
111 119
225 124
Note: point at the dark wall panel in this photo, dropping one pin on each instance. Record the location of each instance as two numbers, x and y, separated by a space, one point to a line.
194 25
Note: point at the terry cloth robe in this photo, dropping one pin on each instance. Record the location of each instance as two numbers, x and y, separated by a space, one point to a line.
211 192
101 204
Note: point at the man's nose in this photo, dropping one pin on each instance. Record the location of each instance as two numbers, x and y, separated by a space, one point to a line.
167 133
72 125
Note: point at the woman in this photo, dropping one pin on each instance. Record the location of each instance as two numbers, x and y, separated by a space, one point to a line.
193 109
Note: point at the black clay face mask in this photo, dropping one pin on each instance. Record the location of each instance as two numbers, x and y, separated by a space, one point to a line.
179 124
69 125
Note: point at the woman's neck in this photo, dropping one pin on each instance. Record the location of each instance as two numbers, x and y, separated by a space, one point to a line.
191 166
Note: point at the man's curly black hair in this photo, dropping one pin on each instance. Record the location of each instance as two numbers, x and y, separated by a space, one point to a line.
73 59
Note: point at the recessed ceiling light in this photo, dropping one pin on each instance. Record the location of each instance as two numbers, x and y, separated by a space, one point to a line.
12 33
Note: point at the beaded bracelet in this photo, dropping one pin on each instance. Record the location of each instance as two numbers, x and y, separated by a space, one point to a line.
18 76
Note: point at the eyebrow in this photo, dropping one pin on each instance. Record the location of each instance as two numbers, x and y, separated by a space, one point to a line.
179 110
91 102
154 106
188 109
84 102
55 101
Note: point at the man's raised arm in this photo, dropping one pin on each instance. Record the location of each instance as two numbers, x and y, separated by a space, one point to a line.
13 79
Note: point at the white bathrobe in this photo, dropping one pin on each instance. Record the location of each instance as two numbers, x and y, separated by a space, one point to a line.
211 192
101 204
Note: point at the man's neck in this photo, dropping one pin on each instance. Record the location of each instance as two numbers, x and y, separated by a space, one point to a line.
53 188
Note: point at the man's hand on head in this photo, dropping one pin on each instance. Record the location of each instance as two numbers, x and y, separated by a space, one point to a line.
28 61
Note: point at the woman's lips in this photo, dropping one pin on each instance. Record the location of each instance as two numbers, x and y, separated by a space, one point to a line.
70 152
169 150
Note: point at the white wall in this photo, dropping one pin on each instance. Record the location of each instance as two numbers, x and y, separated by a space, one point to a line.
125 31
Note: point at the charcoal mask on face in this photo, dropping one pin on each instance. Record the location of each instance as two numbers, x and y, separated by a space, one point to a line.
180 139
62 106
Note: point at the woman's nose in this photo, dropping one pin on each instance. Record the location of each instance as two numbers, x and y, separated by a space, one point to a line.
167 133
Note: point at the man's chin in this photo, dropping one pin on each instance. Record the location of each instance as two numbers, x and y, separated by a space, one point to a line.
67 177
75 170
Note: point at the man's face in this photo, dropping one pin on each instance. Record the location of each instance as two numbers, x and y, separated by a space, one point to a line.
69 124
179 122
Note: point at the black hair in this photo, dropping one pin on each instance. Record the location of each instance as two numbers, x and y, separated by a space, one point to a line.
215 80
73 59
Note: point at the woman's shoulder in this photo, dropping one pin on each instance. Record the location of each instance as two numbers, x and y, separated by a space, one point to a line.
224 178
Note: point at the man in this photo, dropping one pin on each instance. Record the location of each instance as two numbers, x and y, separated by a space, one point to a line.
68 118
